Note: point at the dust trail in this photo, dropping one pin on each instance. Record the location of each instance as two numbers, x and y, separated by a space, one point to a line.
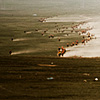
92 48
21 39
74 18
22 52
29 32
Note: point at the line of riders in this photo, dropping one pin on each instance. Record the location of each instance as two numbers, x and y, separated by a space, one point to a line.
61 51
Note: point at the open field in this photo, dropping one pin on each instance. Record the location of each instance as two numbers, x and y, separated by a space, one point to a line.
17 17
49 78
33 71
32 41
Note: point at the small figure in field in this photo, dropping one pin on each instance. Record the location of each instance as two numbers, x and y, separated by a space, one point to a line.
58 39
52 36
10 52
83 41
73 43
24 31
63 51
71 31
76 42
42 34
12 39
83 37
67 44
59 52
59 49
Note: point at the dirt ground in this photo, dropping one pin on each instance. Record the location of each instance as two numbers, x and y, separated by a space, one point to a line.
25 77
33 71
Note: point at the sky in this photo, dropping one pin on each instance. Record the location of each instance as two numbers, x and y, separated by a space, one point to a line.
88 6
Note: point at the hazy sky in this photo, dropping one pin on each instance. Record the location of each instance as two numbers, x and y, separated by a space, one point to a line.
67 5
83 3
